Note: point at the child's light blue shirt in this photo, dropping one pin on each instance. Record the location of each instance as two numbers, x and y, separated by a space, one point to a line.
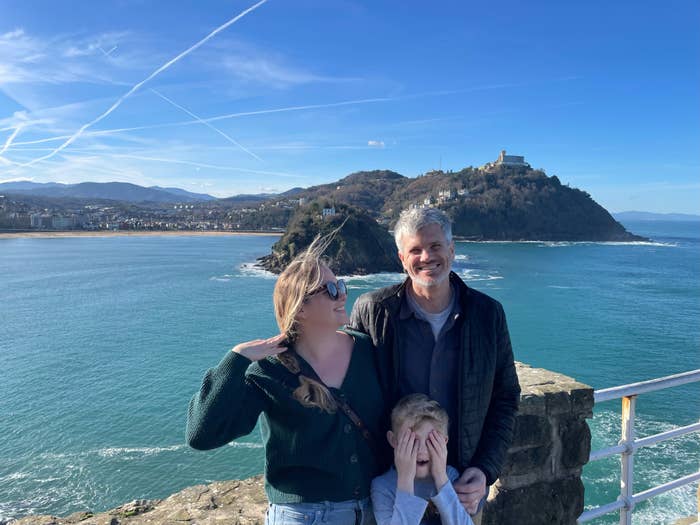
392 507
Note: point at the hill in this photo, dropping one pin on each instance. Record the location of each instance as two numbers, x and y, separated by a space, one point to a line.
361 246
491 203
368 190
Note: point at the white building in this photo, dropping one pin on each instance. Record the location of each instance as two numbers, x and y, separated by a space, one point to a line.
446 195
510 160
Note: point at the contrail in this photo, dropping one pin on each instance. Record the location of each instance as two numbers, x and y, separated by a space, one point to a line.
213 119
107 53
290 108
203 165
302 108
203 121
136 87
9 140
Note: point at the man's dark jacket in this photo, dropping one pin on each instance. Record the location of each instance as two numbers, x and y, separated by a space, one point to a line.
487 384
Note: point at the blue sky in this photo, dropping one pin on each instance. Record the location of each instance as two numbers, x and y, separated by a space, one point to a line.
605 95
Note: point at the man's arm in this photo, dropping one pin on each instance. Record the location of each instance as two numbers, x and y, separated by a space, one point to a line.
497 432
359 317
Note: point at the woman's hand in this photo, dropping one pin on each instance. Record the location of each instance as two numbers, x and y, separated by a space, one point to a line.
405 455
437 448
261 348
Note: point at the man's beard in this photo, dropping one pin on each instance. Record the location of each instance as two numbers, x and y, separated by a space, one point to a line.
431 283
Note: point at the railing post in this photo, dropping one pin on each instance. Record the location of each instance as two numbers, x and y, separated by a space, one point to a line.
627 459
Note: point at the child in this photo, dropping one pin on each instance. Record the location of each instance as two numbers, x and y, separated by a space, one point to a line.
401 496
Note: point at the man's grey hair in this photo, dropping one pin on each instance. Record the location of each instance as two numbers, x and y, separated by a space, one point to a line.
410 221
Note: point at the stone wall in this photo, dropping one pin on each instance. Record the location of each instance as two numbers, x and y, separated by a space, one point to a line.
541 481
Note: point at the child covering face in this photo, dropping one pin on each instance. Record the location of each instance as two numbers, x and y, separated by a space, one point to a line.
418 488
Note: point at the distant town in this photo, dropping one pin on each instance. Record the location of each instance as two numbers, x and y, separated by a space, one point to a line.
30 211
17 214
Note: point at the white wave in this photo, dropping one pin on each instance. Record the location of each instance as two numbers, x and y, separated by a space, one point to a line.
472 275
255 270
224 278
561 244
373 280
237 444
564 244
460 257
641 243
560 287
15 476
143 451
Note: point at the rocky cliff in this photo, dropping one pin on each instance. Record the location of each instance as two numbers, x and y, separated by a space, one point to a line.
361 246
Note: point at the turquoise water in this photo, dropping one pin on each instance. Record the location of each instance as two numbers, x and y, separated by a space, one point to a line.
103 341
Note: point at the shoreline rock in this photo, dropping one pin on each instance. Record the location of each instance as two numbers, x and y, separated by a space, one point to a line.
239 502
360 246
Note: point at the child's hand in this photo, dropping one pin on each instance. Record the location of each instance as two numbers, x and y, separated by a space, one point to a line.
437 448
405 457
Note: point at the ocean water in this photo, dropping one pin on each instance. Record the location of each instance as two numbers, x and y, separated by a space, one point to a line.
103 341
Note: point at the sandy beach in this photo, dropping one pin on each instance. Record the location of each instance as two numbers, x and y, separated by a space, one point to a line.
122 233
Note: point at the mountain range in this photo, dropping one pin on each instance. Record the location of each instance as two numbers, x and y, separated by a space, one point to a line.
118 191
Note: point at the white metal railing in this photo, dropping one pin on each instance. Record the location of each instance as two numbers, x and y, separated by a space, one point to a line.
628 445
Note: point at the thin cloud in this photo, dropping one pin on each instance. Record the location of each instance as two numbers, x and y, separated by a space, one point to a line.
207 124
306 107
245 63
272 72
214 119
17 179
7 162
137 86
95 45
28 60
375 143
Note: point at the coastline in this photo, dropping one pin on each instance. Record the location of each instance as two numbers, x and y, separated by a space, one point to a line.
126 233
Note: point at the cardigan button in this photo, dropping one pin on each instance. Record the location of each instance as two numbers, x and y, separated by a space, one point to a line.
347 428
353 458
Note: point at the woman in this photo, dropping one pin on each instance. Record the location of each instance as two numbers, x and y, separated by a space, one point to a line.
319 463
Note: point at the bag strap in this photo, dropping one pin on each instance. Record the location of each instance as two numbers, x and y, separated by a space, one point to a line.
357 421
349 413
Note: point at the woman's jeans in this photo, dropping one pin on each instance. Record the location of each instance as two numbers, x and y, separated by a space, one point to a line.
352 512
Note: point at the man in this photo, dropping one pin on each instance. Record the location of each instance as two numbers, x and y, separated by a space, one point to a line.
437 336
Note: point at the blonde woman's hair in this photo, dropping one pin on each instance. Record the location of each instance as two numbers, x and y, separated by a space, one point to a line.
416 408
303 276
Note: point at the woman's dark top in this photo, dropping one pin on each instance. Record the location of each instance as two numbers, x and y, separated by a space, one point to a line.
310 455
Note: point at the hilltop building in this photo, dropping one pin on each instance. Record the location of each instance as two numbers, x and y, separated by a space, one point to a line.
328 212
510 160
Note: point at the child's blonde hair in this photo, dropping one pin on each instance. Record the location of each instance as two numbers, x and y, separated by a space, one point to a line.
414 409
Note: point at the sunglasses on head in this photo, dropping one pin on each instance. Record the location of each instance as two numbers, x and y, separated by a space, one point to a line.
334 289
